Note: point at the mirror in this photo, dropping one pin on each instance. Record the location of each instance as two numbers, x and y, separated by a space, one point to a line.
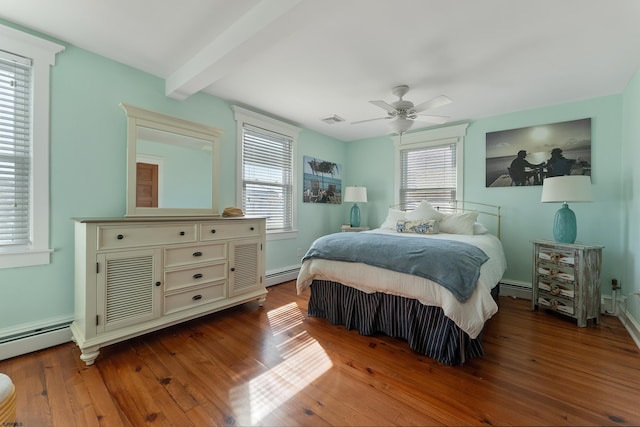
172 165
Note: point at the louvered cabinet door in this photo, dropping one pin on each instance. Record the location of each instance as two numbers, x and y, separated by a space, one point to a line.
129 290
245 266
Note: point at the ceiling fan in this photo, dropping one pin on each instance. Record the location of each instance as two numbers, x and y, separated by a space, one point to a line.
404 112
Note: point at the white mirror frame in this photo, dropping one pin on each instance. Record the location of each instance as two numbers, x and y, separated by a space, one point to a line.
151 119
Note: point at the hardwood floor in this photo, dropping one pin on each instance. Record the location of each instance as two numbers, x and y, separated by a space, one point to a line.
274 366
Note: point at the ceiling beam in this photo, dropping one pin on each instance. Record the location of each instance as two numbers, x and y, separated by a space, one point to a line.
257 29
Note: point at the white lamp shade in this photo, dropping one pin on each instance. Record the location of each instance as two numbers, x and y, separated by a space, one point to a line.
355 194
570 188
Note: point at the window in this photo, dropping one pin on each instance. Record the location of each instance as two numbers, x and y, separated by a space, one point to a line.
266 173
430 167
24 148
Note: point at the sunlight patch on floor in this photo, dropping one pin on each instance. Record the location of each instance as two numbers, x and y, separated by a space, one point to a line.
303 361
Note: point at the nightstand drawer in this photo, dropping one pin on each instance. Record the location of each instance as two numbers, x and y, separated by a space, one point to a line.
555 303
556 288
556 272
556 256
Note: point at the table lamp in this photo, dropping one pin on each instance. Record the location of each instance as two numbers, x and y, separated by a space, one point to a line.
355 195
569 188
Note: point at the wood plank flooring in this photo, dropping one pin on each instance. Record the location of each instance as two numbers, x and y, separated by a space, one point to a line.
272 365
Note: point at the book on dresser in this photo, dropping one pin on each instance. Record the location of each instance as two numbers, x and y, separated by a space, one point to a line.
566 279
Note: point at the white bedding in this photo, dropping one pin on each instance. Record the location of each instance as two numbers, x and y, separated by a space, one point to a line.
469 316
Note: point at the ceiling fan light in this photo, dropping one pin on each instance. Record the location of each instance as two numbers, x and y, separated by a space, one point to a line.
400 125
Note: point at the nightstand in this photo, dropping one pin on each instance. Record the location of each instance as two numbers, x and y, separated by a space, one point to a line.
347 227
566 279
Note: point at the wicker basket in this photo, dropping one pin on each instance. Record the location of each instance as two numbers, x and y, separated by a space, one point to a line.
8 401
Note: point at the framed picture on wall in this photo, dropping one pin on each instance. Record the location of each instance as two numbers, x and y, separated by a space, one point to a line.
322 181
526 156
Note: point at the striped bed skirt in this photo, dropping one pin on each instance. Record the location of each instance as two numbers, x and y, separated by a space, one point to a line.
425 328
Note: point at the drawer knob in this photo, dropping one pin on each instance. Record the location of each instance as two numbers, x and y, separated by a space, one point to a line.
233 269
197 276
182 233
197 253
158 283
119 237
213 231
252 229
196 297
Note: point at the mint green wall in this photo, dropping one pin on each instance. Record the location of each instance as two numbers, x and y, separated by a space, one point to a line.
524 217
88 154
88 175
631 203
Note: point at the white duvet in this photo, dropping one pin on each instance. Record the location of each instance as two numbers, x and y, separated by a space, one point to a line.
470 316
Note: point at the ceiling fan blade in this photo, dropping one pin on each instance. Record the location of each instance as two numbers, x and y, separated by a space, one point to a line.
432 119
385 106
438 101
371 120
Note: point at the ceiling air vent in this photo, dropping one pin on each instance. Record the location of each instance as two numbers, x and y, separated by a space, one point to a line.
333 119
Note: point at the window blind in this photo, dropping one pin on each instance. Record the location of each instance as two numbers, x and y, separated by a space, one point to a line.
267 181
428 173
15 149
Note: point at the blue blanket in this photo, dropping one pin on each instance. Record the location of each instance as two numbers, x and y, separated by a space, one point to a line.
454 265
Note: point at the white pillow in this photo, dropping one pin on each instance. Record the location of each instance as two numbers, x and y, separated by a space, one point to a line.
424 211
479 229
458 223
392 219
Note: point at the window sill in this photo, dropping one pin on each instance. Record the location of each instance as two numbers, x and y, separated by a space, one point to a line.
22 257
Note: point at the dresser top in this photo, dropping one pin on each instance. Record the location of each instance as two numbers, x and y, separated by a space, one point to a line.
136 219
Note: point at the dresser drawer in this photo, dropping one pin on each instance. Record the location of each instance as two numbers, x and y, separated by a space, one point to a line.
178 279
556 272
556 303
557 256
127 236
194 297
229 229
185 255
555 288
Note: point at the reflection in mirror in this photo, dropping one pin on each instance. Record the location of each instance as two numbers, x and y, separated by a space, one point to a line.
172 165
167 164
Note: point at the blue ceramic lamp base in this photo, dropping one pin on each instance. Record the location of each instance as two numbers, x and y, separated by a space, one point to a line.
355 216
564 225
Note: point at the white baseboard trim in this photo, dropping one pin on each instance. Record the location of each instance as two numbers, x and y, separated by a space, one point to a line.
632 325
282 275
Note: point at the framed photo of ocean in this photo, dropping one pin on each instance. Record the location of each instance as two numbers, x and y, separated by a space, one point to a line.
526 156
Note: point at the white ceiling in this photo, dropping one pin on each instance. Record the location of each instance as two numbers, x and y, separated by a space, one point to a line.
302 60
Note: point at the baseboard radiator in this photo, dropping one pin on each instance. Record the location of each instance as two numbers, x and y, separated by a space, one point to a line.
282 275
34 339
515 289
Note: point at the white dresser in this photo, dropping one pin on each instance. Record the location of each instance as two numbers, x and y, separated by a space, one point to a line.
137 275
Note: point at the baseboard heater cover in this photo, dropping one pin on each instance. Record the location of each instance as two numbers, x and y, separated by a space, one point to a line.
276 277
34 340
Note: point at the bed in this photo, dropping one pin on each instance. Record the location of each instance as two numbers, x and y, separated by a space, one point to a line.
390 280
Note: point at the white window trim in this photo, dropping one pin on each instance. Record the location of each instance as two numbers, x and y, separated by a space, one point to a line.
430 138
242 116
43 54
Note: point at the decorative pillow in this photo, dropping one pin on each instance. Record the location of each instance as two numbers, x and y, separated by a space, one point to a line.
392 218
420 226
424 211
479 229
459 223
